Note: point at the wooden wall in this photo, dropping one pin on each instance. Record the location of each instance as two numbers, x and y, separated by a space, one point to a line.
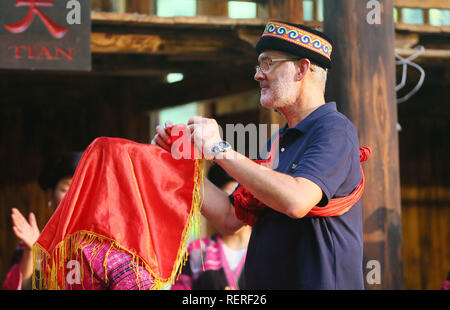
425 180
43 114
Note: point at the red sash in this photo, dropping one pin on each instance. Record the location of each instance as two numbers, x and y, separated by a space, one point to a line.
248 208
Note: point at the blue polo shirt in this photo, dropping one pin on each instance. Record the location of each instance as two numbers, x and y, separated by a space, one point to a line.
320 252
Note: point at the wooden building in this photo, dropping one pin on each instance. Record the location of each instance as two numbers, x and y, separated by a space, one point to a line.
134 50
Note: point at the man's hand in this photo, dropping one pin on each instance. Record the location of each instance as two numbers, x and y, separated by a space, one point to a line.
28 232
205 133
162 137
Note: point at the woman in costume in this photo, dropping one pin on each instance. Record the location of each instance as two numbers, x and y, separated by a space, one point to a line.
125 221
55 180
216 262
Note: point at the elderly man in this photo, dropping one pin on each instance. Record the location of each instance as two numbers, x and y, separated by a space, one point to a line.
291 248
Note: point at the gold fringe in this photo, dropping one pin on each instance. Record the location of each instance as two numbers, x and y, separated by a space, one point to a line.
73 245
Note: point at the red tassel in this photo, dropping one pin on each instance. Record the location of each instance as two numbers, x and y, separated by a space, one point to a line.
364 153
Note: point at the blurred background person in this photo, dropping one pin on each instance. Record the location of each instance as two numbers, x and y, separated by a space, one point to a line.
55 180
216 262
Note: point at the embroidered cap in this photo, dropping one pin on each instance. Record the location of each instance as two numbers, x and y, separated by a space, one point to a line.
298 40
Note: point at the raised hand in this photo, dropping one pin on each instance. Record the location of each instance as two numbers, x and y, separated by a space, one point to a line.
27 231
205 133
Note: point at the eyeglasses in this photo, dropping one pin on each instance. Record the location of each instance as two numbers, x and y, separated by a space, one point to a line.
265 64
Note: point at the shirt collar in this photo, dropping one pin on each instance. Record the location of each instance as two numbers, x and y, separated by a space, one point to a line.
306 123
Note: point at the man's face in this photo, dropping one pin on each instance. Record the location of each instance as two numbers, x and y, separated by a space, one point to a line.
277 82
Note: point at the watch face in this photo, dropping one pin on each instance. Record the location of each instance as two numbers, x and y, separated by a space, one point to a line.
223 144
220 147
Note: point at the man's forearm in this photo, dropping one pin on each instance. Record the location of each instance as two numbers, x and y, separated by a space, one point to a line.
291 196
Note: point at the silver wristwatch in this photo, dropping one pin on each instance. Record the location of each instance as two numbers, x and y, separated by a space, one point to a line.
220 147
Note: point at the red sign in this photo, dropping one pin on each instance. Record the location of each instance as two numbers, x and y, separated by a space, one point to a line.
51 35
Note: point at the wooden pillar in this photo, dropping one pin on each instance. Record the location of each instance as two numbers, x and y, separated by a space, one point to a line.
212 8
289 11
138 6
101 5
362 83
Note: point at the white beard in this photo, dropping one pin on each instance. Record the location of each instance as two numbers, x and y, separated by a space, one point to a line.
278 96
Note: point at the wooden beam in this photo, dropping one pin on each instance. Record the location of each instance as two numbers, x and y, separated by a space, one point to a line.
429 53
422 28
204 38
208 47
107 19
152 44
423 4
210 22
362 83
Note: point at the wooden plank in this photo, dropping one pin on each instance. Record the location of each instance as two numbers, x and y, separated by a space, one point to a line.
162 36
422 28
315 10
429 53
362 83
160 44
211 22
426 16
399 15
108 18
411 247
426 194
423 4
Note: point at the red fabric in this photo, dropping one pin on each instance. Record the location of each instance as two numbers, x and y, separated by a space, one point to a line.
181 144
339 206
248 208
135 194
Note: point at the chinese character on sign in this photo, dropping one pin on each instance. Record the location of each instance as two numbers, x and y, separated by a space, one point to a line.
45 35
56 30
